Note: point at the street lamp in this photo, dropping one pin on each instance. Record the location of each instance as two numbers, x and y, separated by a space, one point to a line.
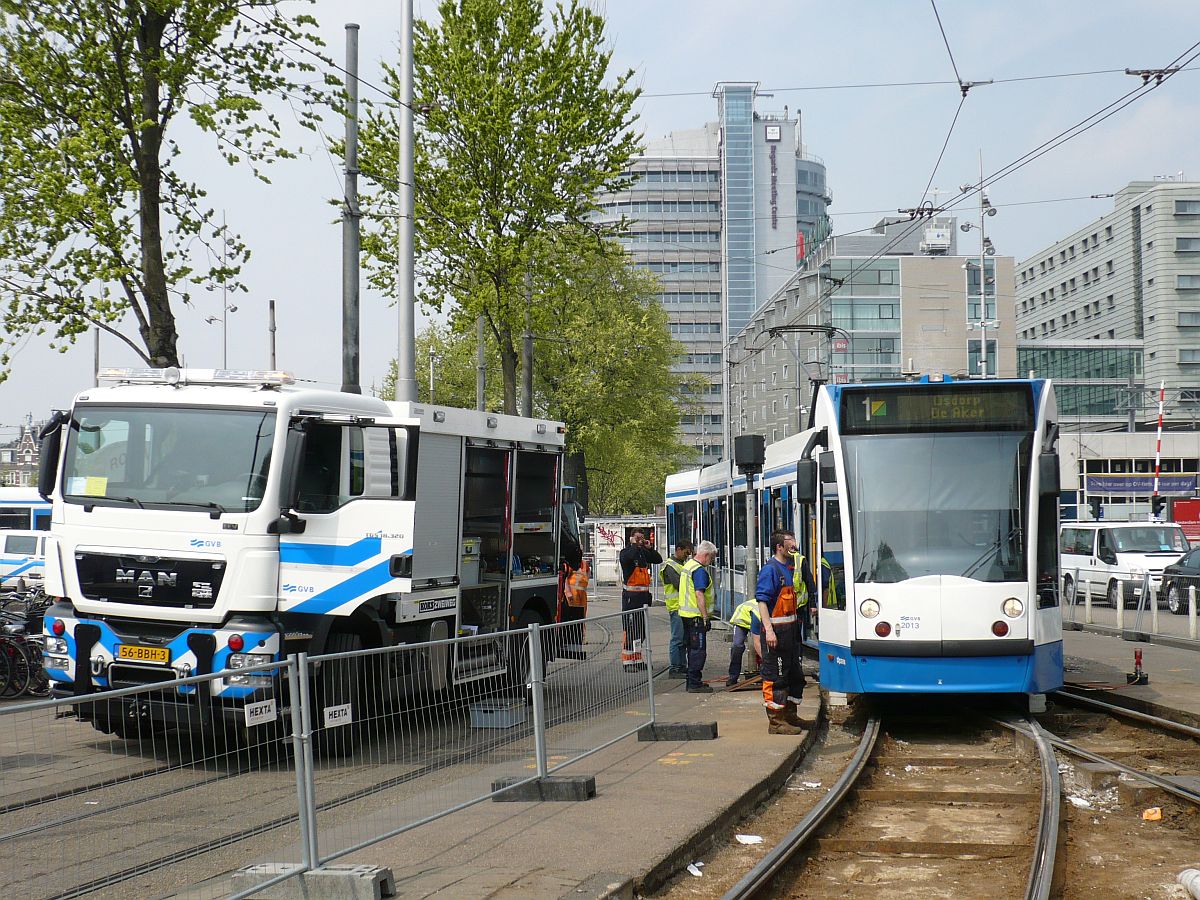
986 249
226 309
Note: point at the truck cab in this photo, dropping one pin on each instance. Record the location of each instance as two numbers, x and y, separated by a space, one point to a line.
206 520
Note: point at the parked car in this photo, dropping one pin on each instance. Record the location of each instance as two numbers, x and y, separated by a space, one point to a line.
1177 578
1115 557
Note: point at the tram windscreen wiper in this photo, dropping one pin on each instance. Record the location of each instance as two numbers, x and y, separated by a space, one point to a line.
991 551
215 508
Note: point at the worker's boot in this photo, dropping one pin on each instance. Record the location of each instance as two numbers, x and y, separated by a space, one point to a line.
793 717
779 723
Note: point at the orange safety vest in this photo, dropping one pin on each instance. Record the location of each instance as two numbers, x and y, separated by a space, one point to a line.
575 586
638 580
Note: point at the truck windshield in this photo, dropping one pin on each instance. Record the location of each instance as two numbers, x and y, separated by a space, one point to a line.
938 504
216 459
1149 539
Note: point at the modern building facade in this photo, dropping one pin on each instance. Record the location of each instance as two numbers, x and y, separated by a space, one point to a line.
1115 308
876 307
721 214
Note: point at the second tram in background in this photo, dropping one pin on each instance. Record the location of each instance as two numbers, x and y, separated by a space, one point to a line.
936 502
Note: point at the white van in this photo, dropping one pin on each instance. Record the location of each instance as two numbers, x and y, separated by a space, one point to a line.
21 557
1115 557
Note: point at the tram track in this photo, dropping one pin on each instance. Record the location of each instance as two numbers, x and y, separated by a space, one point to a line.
923 808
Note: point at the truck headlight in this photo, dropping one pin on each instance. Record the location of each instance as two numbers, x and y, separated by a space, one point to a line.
250 679
54 646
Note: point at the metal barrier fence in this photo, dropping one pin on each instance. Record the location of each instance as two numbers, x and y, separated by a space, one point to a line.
338 752
1156 609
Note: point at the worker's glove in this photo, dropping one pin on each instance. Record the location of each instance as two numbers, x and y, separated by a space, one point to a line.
708 625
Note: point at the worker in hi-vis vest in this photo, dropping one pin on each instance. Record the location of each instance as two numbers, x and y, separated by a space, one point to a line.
784 585
670 575
695 598
635 560
745 622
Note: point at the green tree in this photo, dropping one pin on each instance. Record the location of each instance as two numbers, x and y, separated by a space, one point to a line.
96 219
517 133
602 366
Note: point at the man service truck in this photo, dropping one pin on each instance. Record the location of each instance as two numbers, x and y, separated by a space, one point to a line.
208 520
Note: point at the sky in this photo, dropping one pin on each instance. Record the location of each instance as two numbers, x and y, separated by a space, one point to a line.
879 144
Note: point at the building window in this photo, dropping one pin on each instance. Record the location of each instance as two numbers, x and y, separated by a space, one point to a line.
1187 207
1189 319
1186 282
1188 357
1108 233
1187 245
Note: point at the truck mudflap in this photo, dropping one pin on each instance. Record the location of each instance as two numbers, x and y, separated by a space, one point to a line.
85 655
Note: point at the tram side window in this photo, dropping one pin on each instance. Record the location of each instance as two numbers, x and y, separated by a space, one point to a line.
1047 553
739 531
14 519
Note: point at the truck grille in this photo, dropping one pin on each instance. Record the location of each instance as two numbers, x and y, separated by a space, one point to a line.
150 580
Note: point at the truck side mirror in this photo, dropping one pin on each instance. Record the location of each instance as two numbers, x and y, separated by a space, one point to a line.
48 449
289 484
1048 474
806 481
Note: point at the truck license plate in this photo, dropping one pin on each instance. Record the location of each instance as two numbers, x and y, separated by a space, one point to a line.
160 655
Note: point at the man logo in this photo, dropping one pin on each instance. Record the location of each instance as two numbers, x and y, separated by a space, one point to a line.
146 581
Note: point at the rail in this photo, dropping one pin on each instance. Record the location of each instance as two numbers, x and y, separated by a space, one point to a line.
755 882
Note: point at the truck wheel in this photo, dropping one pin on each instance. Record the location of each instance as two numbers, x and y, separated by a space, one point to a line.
337 684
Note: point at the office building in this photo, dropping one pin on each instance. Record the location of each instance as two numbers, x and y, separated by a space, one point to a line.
877 306
721 214
1112 310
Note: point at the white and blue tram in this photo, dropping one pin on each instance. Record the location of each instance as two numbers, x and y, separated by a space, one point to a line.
936 504
946 497
22 508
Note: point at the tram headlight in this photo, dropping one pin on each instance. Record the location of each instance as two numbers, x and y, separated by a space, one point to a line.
1013 607
869 609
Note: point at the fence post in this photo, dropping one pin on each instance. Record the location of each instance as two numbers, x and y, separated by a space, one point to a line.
537 683
1192 611
1120 606
648 657
313 851
1148 592
299 741
1087 604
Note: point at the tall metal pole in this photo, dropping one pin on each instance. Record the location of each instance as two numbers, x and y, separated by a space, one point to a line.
271 330
351 218
406 377
751 577
96 359
480 365
527 352
431 373
983 320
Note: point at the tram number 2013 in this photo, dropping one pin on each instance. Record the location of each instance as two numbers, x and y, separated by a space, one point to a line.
908 623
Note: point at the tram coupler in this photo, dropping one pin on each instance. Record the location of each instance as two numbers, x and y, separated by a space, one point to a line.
1137 676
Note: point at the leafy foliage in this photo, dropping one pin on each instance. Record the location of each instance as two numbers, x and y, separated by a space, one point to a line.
96 220
517 133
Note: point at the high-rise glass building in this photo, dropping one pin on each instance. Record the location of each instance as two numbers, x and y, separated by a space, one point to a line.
722 214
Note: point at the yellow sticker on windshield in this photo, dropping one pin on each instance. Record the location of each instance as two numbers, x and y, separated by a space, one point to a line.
95 486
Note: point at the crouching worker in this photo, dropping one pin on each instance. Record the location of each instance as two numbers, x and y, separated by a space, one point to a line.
745 622
784 586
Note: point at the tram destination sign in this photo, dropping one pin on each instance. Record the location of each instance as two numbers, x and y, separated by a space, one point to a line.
899 409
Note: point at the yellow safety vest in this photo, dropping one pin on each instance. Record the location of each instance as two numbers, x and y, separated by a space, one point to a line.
831 596
671 593
741 615
798 584
689 608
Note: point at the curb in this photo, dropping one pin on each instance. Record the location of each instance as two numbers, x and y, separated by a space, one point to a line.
705 836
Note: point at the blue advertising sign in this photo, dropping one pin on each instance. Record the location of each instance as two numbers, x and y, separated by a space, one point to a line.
1140 483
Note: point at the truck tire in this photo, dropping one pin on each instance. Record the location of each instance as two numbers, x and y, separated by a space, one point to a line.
336 684
518 648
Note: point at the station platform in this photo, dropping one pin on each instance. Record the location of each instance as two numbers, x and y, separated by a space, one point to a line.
659 806
1100 662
